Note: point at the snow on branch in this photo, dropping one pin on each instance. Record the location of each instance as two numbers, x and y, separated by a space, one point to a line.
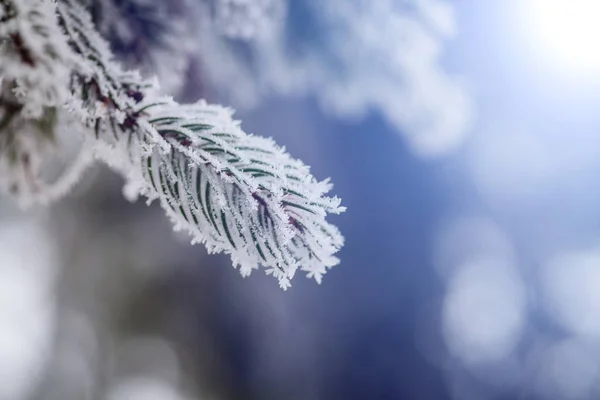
236 193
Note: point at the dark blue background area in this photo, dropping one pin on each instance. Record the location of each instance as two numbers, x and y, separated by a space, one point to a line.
365 313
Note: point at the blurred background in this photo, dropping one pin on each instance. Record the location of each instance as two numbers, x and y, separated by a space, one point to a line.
462 137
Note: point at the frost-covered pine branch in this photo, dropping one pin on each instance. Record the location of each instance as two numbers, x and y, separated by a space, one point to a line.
234 192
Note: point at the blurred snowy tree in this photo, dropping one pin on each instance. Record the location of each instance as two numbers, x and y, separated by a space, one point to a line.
353 56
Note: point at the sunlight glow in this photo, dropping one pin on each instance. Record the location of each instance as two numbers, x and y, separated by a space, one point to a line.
568 30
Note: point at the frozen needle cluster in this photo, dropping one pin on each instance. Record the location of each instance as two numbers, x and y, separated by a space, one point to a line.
234 192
